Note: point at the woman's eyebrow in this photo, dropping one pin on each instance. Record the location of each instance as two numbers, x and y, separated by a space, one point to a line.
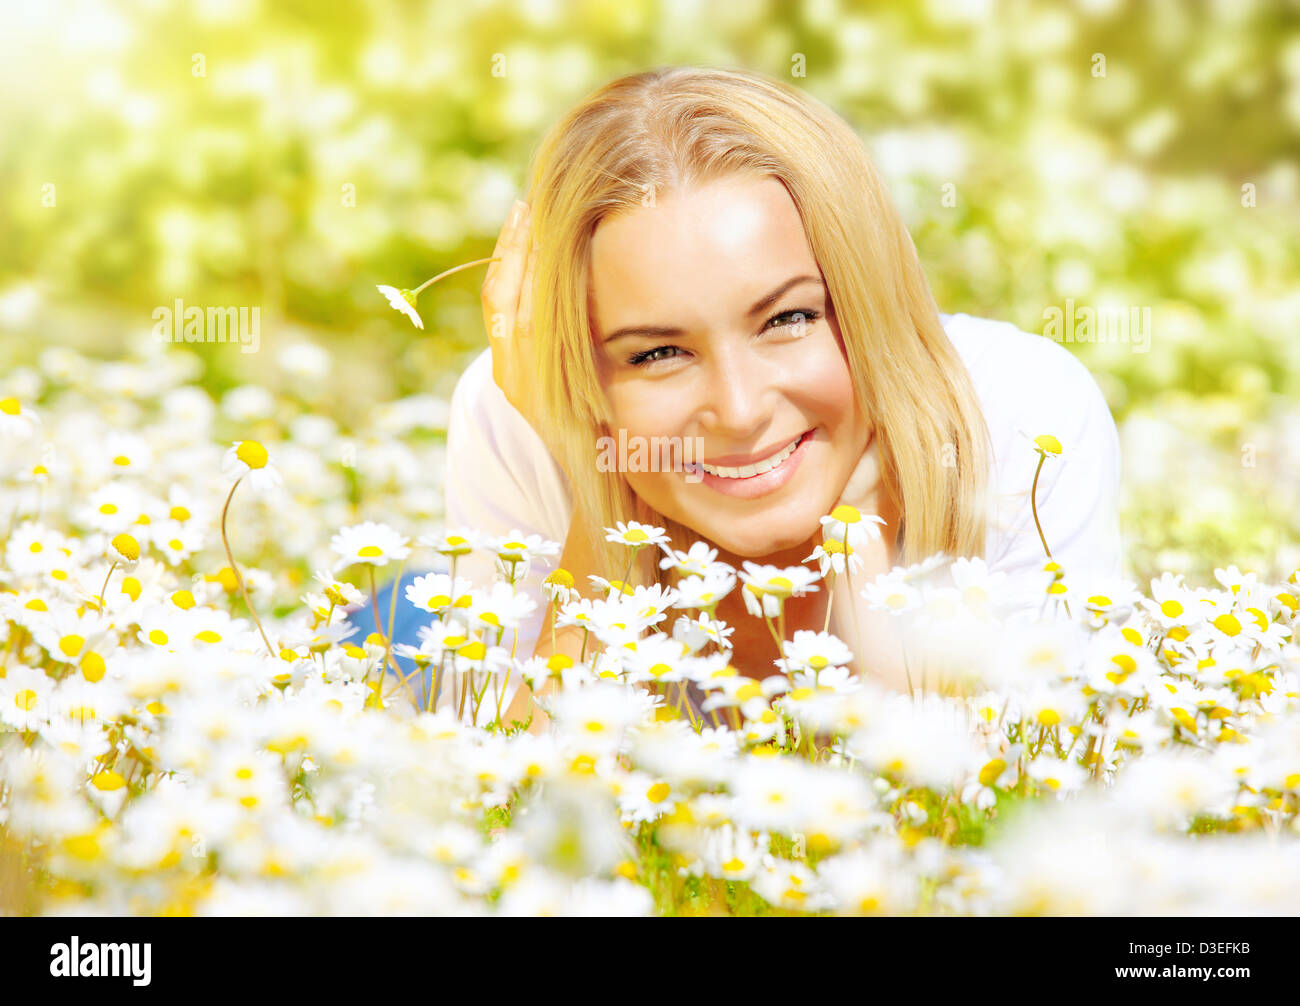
661 331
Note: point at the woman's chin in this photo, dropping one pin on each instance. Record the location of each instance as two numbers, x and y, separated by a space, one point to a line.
759 543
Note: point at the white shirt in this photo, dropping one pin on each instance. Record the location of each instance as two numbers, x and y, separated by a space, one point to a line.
502 478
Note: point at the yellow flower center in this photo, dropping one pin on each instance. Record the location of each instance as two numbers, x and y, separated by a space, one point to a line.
561 577
92 667
10 406
126 546
1227 624
251 453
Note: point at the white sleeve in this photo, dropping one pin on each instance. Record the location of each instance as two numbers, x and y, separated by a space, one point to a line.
1078 491
502 478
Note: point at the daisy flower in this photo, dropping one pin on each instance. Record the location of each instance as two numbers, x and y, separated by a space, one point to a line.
500 607
848 525
26 696
176 541
635 534
771 585
870 882
435 592
516 551
369 542
835 556
34 548
112 507
656 658
815 651
891 592
652 602
583 612
127 451
733 854
1061 777
339 592
771 794
15 421
1172 605
402 300
704 591
453 543
617 622
248 458
696 632
1046 444
558 587
694 562
975 582
123 548
791 885
596 716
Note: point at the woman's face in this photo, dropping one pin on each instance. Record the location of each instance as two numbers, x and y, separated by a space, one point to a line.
743 355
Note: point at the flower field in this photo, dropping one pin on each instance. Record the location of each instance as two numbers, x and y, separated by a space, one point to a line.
191 725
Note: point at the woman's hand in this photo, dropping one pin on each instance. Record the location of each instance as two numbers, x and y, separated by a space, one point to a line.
507 314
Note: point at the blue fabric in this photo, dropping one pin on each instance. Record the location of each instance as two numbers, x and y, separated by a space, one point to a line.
407 622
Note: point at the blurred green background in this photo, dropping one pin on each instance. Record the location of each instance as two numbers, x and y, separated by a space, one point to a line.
293 155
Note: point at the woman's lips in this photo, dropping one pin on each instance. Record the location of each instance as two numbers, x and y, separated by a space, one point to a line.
758 485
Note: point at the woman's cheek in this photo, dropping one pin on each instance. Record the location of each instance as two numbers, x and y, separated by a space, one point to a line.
820 366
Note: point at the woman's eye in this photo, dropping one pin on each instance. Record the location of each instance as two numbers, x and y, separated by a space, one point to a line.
650 355
793 319
786 319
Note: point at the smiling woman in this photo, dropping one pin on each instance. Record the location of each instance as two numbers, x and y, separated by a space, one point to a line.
708 257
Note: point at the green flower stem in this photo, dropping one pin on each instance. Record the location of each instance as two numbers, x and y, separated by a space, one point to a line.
105 587
239 577
465 265
1033 505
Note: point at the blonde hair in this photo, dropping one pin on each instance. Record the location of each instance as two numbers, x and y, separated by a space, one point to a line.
651 132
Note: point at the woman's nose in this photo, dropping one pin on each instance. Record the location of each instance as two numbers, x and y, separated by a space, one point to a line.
737 398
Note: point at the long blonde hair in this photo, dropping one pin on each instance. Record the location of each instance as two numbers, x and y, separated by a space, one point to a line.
649 133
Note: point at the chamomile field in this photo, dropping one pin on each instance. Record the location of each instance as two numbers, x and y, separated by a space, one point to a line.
192 725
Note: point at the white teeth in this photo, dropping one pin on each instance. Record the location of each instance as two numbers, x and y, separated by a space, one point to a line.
749 471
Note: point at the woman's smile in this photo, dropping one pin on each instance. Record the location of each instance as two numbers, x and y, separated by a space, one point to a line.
758 478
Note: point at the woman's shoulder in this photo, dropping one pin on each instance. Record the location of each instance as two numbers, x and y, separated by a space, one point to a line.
999 353
1029 385
1026 383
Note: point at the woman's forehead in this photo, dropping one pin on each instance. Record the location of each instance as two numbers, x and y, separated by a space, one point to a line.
733 237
